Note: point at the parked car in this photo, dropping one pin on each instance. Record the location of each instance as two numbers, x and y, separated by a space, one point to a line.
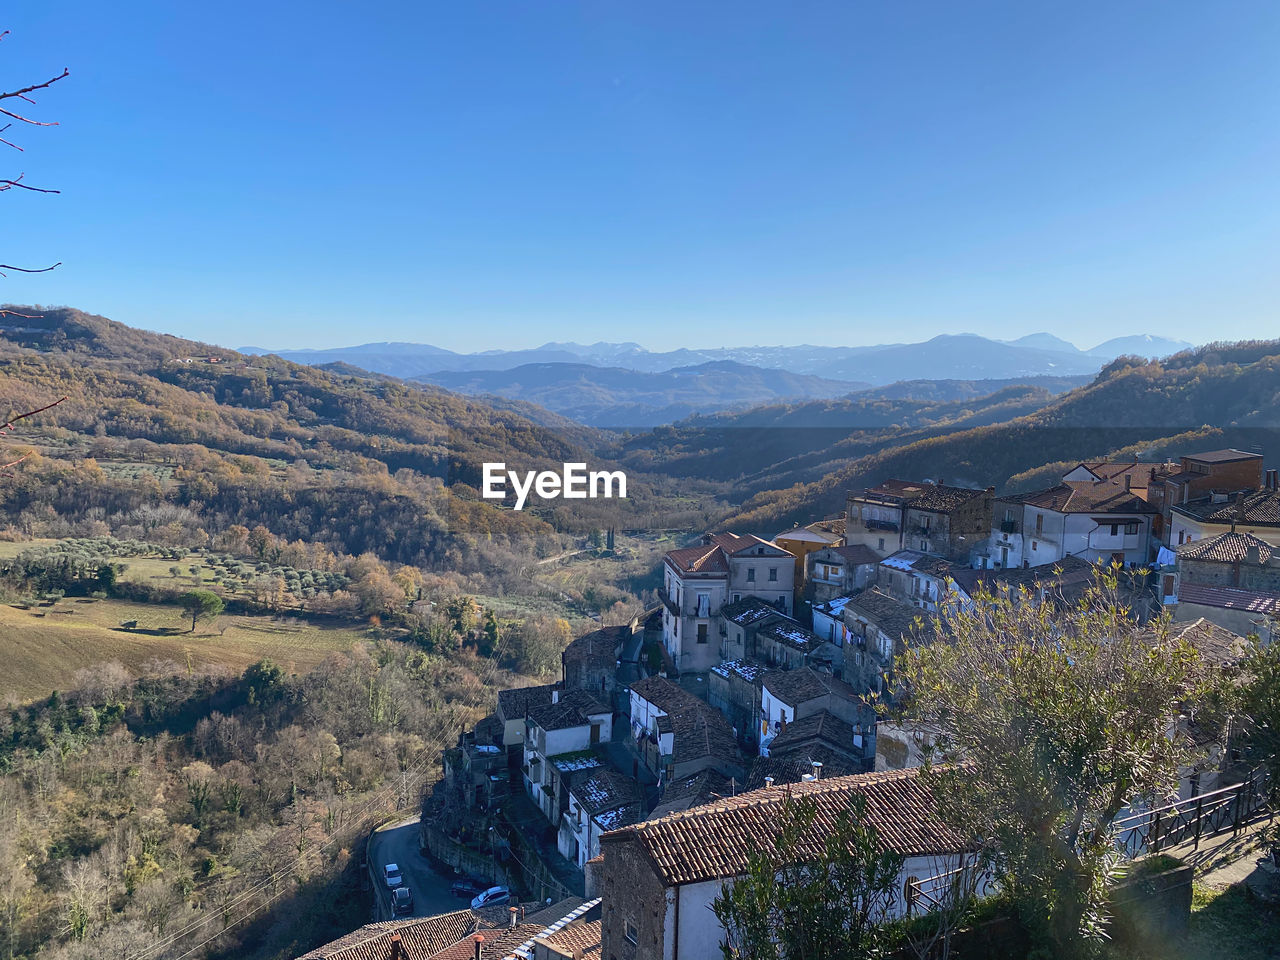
467 888
391 874
493 897
402 901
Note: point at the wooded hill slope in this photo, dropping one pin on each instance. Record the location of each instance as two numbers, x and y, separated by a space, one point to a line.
155 436
1214 396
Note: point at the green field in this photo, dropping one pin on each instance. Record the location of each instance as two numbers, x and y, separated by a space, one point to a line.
43 647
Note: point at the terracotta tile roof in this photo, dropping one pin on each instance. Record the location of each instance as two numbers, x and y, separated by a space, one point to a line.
711 556
516 702
920 562
1068 572
603 789
1108 497
572 710
892 617
702 732
1140 471
1216 645
939 498
662 693
498 942
683 793
598 646
821 729
1260 507
1228 598
746 668
713 842
792 769
585 937
420 937
799 686
1225 548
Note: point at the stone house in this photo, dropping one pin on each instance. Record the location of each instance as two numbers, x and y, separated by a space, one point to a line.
801 542
734 690
839 571
659 877
878 628
677 735
1094 520
790 695
559 740
513 708
930 517
698 580
917 579
590 662
1252 511
600 800
1199 475
831 746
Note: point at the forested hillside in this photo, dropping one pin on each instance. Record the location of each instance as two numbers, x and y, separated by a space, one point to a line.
1214 396
158 442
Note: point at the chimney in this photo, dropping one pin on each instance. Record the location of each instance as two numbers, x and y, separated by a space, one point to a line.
397 951
768 782
1128 482
817 769
479 942
1253 555
512 919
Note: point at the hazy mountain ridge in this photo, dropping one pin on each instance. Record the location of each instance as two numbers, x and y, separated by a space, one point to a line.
614 397
949 356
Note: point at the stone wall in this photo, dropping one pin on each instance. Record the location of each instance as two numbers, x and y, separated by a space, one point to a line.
632 894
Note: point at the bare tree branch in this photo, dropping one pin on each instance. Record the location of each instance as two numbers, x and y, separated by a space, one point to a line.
30 413
17 182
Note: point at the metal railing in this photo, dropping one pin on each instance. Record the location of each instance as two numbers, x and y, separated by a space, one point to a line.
1190 820
1227 809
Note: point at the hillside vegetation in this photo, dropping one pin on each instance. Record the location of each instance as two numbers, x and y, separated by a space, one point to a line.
1215 396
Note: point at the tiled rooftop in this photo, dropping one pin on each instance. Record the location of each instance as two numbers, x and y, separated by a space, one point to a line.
1258 507
1108 497
1225 548
714 841
1228 598
421 937
604 789
516 702
803 684
598 646
893 617
1216 645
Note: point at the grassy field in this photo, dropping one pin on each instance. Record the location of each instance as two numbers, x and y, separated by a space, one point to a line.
43 647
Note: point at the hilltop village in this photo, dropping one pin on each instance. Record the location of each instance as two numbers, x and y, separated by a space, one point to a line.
621 796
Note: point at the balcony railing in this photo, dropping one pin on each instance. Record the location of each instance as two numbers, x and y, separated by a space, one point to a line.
888 525
669 602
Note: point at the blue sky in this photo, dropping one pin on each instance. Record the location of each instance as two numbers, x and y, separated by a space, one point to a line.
498 173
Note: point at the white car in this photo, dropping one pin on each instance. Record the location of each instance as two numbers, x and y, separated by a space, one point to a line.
493 897
391 874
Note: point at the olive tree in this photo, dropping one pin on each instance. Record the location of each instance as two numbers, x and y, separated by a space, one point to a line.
1051 716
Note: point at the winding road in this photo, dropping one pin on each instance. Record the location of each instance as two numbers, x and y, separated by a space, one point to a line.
399 843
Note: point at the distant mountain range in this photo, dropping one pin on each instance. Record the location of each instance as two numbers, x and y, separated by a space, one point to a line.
949 356
620 398
624 385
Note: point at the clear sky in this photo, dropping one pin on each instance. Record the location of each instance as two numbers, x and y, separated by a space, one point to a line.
491 173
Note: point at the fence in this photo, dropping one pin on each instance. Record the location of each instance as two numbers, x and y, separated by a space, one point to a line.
1145 831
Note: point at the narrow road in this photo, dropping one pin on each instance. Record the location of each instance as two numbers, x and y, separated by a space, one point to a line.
398 843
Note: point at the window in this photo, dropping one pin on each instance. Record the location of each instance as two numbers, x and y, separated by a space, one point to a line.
702 633
631 932
773 574
924 546
1131 528
1034 545
1182 536
1008 516
737 597
1115 529
881 547
1039 524
751 575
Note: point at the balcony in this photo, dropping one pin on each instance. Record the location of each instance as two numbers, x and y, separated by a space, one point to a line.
888 525
669 602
